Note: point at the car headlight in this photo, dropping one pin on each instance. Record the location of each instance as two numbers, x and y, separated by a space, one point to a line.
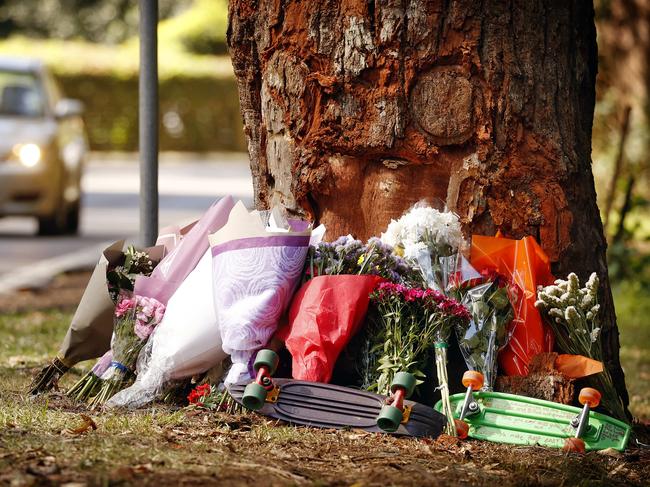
29 155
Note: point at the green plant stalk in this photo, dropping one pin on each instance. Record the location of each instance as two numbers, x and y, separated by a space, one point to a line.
578 344
85 388
443 385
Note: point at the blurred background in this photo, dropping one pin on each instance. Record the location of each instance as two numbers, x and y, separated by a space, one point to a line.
91 46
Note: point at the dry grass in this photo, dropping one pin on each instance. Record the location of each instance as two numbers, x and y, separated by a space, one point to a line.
172 446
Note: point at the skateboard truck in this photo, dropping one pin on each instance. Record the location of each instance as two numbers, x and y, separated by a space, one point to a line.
255 394
473 380
394 413
589 398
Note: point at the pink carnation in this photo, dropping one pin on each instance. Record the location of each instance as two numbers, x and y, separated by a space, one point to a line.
123 306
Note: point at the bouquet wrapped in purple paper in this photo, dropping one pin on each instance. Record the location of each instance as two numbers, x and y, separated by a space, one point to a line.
257 262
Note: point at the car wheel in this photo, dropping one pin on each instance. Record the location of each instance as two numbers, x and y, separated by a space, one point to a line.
72 218
54 224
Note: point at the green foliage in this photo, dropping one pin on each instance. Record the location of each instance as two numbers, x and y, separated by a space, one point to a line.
628 257
200 30
199 103
106 21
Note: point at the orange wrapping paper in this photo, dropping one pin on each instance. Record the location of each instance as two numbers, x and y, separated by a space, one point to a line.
525 264
325 314
577 366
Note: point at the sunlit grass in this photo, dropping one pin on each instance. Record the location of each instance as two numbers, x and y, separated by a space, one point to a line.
170 440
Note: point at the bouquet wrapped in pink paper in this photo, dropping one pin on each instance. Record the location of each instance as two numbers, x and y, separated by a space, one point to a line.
256 268
151 294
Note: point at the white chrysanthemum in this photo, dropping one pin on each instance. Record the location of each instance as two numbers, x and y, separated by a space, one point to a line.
423 224
412 251
393 234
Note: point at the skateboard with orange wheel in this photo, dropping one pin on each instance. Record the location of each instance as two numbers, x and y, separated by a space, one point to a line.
520 420
331 406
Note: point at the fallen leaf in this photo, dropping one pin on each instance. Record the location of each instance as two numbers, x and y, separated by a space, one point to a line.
143 468
87 424
610 452
43 467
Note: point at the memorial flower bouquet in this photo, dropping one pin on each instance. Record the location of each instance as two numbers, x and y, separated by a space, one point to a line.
135 319
572 313
120 278
433 241
410 321
491 304
329 309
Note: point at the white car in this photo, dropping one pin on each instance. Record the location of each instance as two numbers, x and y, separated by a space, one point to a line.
43 146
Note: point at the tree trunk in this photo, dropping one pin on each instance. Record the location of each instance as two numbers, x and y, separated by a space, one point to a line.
355 110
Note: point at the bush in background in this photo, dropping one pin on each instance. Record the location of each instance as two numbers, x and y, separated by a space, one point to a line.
197 113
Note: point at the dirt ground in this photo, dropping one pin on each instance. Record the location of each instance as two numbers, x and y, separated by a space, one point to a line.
52 441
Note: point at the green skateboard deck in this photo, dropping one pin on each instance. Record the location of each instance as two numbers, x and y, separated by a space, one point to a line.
520 420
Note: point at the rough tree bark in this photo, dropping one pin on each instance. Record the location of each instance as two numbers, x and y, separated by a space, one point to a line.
354 110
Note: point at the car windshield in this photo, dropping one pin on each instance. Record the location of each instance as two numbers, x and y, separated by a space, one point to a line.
20 95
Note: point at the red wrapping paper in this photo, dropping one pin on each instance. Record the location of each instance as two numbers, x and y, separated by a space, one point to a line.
325 314
525 264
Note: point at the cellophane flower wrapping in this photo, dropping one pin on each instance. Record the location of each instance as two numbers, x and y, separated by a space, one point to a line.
411 322
256 270
525 264
329 309
572 311
433 240
187 341
135 319
491 302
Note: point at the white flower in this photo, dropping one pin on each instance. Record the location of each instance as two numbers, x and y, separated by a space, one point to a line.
411 251
594 335
428 225
393 234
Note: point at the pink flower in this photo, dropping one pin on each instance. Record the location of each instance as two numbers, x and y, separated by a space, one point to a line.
123 306
142 329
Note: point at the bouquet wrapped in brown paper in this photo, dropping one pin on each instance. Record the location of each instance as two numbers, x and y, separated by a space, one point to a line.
89 333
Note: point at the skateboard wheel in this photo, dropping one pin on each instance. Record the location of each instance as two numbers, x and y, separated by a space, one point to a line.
389 418
589 396
474 379
266 358
574 444
462 428
254 396
403 380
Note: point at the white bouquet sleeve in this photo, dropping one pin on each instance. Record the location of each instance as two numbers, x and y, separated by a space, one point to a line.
187 341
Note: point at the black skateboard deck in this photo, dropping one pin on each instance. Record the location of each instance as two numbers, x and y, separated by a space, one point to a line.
331 406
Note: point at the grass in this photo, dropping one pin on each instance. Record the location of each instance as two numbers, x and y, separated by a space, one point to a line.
633 310
164 445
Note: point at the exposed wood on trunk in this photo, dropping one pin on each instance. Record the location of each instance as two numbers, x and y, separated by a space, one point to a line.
355 110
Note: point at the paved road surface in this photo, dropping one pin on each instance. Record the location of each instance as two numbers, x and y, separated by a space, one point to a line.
188 185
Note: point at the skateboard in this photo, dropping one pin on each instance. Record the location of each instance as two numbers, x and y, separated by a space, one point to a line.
330 406
520 420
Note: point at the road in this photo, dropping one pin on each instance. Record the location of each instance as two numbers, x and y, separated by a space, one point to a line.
188 184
